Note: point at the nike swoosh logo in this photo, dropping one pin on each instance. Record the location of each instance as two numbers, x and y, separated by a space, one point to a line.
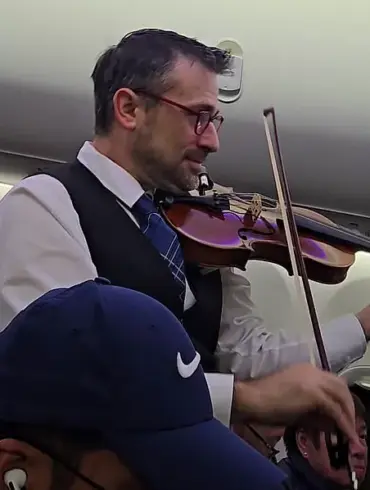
187 370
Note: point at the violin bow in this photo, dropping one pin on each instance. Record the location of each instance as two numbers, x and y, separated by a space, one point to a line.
338 447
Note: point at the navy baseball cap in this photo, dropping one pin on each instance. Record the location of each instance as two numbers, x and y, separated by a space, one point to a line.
96 357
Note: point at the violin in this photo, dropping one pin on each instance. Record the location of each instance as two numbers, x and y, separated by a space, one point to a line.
229 229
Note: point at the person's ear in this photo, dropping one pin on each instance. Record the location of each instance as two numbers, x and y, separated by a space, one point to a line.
13 459
125 106
302 442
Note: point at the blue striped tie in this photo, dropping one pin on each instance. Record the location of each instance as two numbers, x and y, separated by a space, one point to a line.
164 239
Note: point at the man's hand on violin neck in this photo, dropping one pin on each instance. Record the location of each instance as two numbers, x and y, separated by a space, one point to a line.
364 318
284 396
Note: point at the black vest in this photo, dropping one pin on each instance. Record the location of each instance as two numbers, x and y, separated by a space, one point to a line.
122 254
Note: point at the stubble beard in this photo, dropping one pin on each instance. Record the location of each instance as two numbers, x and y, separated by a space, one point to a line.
154 171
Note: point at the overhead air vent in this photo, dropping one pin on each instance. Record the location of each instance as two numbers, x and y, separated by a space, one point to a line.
230 83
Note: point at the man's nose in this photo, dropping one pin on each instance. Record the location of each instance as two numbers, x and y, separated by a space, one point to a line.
209 139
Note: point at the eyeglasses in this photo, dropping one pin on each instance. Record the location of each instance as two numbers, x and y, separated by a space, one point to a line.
271 451
203 118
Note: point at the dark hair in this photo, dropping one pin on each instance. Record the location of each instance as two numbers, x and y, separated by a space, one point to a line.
142 60
64 447
289 437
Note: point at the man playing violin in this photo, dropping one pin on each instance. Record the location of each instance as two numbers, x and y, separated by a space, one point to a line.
156 121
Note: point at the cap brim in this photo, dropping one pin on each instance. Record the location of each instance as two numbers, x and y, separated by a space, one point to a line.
206 455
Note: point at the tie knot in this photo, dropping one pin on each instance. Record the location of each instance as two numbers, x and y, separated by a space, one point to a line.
145 205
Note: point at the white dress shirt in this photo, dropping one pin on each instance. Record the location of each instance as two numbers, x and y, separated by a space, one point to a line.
42 247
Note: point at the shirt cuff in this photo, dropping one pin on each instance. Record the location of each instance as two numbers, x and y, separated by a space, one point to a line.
221 389
345 341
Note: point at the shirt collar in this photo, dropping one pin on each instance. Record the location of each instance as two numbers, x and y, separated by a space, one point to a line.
112 176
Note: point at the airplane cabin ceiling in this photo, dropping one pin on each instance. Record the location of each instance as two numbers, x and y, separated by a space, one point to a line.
307 59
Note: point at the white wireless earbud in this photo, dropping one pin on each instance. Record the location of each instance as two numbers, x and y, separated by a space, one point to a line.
15 479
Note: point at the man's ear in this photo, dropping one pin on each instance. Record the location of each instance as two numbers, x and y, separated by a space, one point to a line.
302 442
125 106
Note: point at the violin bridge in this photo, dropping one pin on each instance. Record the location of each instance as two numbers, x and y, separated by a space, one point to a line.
253 211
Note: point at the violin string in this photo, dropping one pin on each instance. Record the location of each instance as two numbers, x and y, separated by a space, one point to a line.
246 197
241 205
269 203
